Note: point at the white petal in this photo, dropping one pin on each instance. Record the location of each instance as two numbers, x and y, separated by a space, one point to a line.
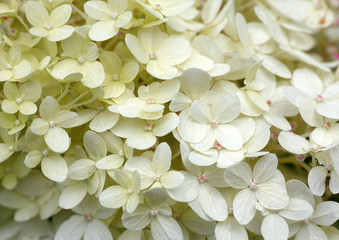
321 136
172 179
72 228
81 169
272 194
113 197
334 182
328 109
57 139
174 50
293 143
325 213
104 121
226 108
190 130
316 180
103 30
60 15
97 230
98 10
212 202
138 220
36 14
194 82
275 66
194 223
162 156
230 230
311 232
187 191
275 118
72 195
265 168
54 167
136 48
144 167
274 227
244 206
297 209
141 141
93 74
161 69
307 109
260 137
60 33
166 228
307 81
201 112
238 176
26 213
110 162
95 145
166 124
228 136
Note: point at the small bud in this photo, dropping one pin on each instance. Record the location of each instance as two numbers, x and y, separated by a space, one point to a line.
81 59
150 100
18 101
51 123
148 127
202 178
214 123
154 213
48 26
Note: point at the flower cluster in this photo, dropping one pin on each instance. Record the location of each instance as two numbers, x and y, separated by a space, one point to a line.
169 119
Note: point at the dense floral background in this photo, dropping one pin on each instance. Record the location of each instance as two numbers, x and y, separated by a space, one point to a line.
169 119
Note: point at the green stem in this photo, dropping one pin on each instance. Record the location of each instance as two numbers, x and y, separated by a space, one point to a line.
79 11
22 22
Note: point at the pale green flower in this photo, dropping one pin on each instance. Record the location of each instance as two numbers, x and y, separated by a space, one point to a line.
53 166
51 124
155 212
12 123
111 16
21 99
12 66
82 55
48 25
118 75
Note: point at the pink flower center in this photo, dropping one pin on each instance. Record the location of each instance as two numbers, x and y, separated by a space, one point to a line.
150 100
86 217
320 97
157 6
253 186
148 127
202 178
81 59
154 213
219 146
214 123
48 26
328 124
305 221
153 55
269 102
329 166
301 157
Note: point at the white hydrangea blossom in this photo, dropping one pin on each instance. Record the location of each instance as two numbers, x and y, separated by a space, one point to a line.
158 119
